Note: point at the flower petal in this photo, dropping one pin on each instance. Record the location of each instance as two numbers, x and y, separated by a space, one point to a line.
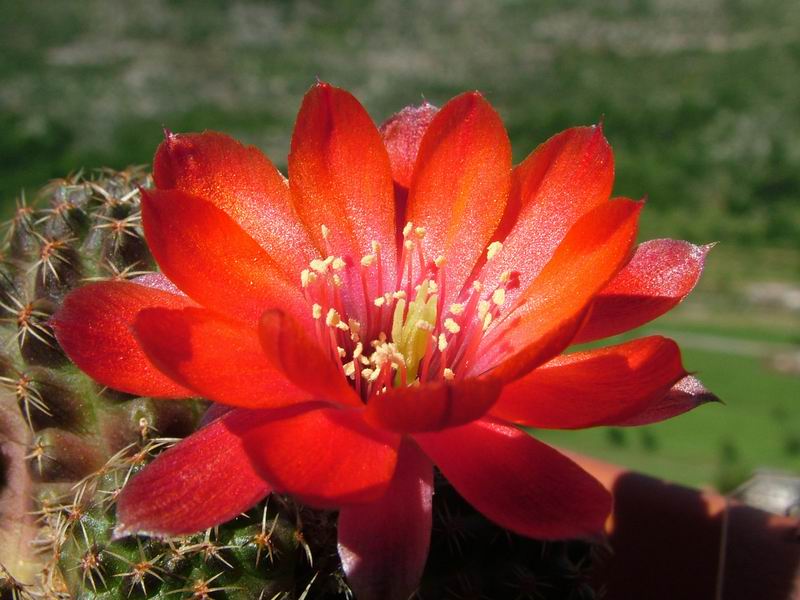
384 544
208 256
325 457
299 359
685 395
158 281
203 481
548 313
217 358
597 387
560 181
432 406
518 482
241 181
660 275
402 134
340 177
460 185
93 328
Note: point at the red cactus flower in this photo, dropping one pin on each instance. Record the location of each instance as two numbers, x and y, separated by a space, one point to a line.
401 302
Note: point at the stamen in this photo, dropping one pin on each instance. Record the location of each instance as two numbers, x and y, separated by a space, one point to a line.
493 249
457 309
451 326
427 341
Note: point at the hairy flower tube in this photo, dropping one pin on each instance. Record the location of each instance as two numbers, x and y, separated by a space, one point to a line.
403 300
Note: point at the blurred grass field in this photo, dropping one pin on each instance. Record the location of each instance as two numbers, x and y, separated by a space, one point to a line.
699 99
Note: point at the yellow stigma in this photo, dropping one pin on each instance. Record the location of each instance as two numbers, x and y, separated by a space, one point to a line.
411 330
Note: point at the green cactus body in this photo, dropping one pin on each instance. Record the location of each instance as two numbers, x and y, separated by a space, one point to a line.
68 445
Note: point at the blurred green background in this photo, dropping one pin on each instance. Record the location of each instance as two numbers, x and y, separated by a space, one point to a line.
700 99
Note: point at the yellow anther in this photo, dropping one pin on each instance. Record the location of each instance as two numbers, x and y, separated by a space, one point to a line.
439 261
320 266
337 280
408 244
368 260
457 309
448 374
505 276
425 325
420 232
407 229
304 277
483 308
325 232
355 326
433 288
338 263
487 320
499 296
341 351
350 369
332 318
493 249
451 326
375 246
316 311
367 374
379 301
401 295
477 286
442 343
358 350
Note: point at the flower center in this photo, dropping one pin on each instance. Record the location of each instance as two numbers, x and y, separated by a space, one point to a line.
426 341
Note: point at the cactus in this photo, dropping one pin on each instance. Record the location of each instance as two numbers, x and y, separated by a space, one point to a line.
77 229
84 442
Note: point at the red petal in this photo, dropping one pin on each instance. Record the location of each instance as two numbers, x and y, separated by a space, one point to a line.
660 275
560 181
340 177
93 328
241 181
518 482
433 406
218 358
550 311
325 457
205 480
596 387
384 545
460 185
402 134
208 256
287 347
685 395
158 281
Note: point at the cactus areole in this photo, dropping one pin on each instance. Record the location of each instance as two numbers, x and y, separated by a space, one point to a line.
404 300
